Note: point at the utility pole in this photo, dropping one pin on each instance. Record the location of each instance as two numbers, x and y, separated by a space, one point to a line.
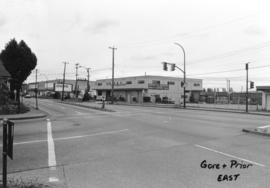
112 96
88 79
76 82
64 76
228 90
247 88
36 91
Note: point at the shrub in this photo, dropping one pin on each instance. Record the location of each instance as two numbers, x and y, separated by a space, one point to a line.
57 95
20 183
86 97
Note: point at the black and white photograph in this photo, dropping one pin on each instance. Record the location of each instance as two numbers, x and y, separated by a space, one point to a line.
134 94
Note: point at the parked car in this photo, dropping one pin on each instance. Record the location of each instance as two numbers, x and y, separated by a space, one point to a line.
27 96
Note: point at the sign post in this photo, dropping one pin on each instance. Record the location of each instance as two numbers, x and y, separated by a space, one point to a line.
8 134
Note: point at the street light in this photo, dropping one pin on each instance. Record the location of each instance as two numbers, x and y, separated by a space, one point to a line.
184 71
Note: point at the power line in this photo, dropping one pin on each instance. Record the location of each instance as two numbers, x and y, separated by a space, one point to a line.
232 53
190 33
232 70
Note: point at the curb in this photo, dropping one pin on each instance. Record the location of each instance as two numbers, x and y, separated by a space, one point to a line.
26 117
203 109
90 107
152 106
229 111
255 132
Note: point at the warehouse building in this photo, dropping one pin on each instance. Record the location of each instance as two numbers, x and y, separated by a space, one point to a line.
139 89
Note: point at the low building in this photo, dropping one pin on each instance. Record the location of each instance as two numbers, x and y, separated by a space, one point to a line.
265 96
4 74
49 87
139 89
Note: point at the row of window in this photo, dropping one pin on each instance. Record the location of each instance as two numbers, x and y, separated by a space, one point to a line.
155 82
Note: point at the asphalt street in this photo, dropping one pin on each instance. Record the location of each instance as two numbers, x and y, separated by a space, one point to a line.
141 147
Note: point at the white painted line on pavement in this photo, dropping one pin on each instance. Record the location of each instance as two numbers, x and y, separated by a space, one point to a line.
263 127
228 155
51 153
78 113
90 135
72 137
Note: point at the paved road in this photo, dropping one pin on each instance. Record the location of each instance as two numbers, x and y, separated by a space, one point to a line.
141 147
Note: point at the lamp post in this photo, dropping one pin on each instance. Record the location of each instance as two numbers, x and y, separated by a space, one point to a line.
184 71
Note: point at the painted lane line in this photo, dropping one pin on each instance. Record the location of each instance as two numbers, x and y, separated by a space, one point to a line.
72 137
51 153
78 113
228 155
263 127
90 135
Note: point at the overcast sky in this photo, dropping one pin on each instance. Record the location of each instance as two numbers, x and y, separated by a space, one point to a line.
218 35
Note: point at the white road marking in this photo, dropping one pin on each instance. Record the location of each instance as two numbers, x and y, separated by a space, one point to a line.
73 137
78 113
263 127
90 135
51 153
228 155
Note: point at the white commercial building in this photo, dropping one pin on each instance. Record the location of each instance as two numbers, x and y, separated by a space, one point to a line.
156 88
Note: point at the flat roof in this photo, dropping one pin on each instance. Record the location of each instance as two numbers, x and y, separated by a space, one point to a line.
263 87
151 76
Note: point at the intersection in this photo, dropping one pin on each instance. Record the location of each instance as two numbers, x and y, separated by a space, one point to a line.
140 147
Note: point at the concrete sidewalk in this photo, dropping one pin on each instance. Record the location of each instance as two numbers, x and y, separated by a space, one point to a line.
91 105
32 114
216 108
262 130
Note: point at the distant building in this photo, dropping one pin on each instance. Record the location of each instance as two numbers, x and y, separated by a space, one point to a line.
139 89
255 98
4 74
49 87
265 96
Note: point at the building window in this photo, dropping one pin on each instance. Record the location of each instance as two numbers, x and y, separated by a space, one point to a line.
196 84
108 83
156 82
128 82
99 84
140 81
171 83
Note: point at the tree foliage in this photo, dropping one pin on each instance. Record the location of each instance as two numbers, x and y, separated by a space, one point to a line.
19 61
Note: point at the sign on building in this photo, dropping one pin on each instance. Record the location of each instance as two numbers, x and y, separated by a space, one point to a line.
32 86
49 85
67 87
158 86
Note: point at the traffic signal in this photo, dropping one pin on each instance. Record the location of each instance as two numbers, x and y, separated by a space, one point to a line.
182 84
251 84
165 66
172 67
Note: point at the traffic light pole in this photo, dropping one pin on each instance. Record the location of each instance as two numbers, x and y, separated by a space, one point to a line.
184 71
